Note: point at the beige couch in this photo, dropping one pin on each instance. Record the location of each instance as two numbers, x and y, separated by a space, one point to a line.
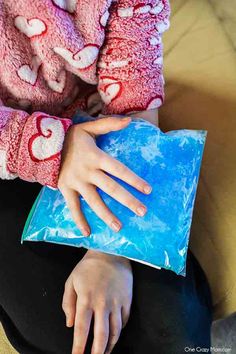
200 72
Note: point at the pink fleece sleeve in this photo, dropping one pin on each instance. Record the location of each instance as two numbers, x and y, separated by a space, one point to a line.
31 145
130 66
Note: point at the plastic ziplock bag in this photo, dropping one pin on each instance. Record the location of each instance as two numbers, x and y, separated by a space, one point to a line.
170 162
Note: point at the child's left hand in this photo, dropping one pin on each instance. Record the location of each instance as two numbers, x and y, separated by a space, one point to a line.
100 286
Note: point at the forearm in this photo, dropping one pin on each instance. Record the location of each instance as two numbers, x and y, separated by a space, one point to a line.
130 66
31 145
107 257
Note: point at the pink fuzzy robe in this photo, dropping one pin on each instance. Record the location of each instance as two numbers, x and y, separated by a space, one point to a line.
101 56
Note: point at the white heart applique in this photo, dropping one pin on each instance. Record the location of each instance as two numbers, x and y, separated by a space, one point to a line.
29 73
66 5
30 27
155 40
58 85
4 172
47 143
110 92
155 103
125 12
158 61
157 9
140 9
81 59
162 26
104 18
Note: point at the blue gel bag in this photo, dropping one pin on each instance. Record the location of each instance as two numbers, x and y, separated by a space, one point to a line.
170 162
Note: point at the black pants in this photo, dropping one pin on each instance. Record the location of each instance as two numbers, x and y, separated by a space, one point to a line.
168 312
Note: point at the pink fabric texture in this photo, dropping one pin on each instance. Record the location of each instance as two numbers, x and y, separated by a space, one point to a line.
101 56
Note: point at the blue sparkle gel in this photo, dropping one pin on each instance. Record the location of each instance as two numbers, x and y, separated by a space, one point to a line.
170 162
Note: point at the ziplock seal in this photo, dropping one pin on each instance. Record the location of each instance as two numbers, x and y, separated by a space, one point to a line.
30 216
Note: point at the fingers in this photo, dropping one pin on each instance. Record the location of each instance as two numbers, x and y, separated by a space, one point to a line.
125 313
115 321
119 170
96 203
105 125
73 203
101 332
81 329
116 191
69 303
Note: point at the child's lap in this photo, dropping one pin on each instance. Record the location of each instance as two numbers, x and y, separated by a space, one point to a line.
32 275
167 310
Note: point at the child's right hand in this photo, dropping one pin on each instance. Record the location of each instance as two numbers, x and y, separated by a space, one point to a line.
84 167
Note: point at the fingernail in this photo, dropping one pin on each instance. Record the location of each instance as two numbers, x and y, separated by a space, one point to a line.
147 189
85 232
141 211
115 226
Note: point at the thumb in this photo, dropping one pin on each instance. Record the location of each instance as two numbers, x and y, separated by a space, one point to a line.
106 125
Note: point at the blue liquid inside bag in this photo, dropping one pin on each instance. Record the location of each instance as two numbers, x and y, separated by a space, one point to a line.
170 162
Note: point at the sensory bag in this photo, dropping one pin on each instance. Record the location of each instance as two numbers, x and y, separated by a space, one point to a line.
170 162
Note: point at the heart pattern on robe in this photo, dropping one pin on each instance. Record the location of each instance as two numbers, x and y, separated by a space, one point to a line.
30 27
140 9
81 59
29 73
104 18
58 85
163 26
4 173
66 5
47 143
158 61
110 89
155 102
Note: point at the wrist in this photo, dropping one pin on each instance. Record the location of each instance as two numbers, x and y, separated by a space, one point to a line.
106 257
150 115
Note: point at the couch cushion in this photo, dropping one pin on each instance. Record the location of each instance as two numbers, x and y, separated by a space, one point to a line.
226 12
5 347
200 73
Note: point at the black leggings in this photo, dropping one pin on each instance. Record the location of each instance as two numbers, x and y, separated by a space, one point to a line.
168 313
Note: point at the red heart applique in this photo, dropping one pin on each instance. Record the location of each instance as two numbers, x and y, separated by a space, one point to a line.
47 143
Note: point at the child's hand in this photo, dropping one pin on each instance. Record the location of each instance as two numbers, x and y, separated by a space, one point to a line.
84 167
100 286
